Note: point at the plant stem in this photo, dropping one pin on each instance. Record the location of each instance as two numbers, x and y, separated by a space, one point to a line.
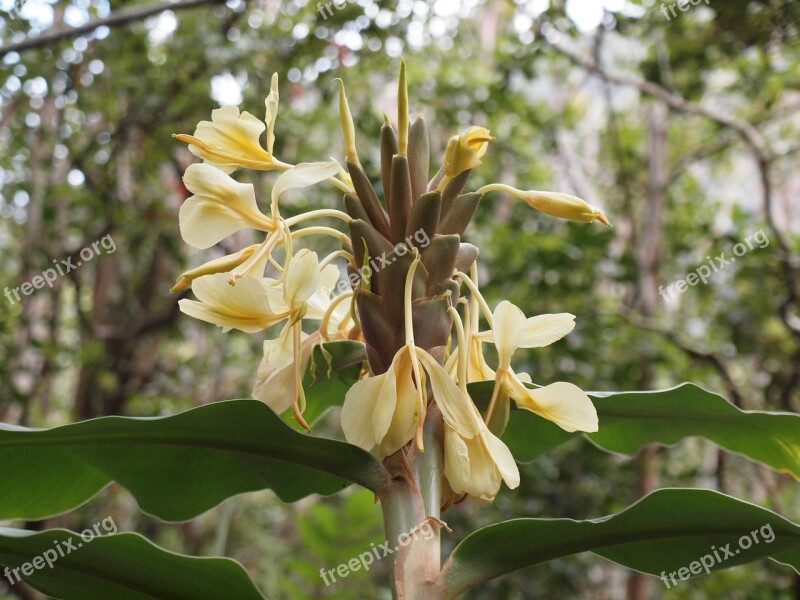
411 508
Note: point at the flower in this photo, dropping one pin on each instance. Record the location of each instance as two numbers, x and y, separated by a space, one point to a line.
563 403
219 207
465 151
275 386
230 140
476 464
475 460
383 410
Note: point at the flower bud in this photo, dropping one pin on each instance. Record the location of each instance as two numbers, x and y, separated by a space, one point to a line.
465 151
564 206
554 204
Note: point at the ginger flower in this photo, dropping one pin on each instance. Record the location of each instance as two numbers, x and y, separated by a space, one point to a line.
401 247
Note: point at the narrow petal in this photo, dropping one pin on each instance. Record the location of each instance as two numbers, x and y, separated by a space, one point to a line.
543 330
271 104
508 324
457 408
404 418
563 403
502 458
301 279
456 460
301 176
219 207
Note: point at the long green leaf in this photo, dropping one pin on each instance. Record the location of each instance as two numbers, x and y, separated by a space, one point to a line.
177 467
123 567
631 420
664 532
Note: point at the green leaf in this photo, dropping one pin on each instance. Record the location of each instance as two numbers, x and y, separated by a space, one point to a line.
124 567
631 420
177 467
664 532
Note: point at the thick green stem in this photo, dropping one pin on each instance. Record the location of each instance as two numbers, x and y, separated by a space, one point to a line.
411 507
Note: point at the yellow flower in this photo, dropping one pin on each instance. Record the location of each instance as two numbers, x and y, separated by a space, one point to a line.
475 460
477 464
563 403
230 141
219 207
554 204
383 410
465 151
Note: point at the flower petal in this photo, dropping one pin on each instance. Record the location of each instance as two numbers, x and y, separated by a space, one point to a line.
359 408
275 386
456 460
543 330
563 403
301 278
502 458
271 104
243 306
404 417
457 408
508 325
219 207
301 176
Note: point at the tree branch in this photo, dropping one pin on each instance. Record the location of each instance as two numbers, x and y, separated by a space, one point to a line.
747 131
119 19
712 359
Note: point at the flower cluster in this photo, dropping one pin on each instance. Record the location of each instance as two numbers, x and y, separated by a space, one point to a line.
419 318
